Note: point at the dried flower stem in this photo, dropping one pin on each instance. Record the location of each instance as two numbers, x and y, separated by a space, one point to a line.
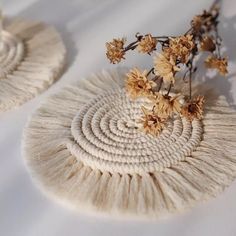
131 46
218 42
160 85
184 76
190 81
150 71
169 89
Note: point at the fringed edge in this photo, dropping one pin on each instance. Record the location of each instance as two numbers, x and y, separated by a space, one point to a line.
42 63
203 175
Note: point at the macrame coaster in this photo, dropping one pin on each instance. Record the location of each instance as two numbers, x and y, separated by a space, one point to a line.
32 57
83 147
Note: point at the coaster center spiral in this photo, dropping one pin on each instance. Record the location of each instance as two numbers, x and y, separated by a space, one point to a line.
11 54
106 137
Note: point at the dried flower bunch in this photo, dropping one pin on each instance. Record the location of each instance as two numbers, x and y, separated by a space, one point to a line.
174 61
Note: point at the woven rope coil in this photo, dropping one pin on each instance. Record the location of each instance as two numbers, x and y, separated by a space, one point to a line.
83 146
107 137
11 55
32 57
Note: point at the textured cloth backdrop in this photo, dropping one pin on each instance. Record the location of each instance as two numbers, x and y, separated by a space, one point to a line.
85 26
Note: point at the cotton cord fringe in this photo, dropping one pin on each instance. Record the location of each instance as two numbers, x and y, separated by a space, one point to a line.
83 147
31 59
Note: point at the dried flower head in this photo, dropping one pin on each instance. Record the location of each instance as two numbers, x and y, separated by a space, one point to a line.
147 44
207 44
166 105
180 47
194 109
137 83
220 64
197 23
151 123
115 50
165 68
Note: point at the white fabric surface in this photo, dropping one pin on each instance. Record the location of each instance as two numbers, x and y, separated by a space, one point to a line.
85 27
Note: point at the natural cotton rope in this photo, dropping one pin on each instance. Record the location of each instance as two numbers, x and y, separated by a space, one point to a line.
106 141
83 147
32 57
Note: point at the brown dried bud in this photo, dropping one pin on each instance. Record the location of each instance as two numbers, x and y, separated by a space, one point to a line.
207 44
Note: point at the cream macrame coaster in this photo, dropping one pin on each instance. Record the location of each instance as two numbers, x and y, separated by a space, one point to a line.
32 57
83 147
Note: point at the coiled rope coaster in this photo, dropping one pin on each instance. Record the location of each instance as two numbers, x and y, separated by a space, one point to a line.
83 146
32 56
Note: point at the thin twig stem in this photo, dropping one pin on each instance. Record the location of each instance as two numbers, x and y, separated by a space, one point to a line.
131 46
160 85
184 77
218 42
190 82
163 37
169 89
150 71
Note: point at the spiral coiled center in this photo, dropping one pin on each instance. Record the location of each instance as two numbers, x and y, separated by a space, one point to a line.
11 53
106 137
